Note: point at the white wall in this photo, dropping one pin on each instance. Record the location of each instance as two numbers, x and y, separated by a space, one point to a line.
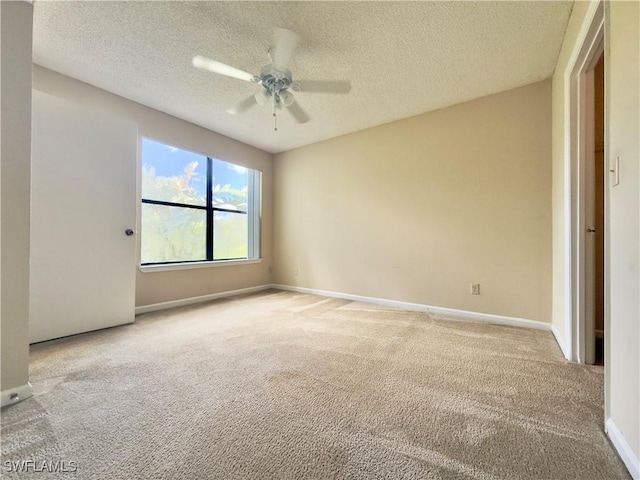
157 287
15 46
623 99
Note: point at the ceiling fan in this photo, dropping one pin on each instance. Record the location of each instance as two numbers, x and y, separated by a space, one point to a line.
276 79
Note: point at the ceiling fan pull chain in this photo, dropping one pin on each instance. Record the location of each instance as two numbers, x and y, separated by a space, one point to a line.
275 117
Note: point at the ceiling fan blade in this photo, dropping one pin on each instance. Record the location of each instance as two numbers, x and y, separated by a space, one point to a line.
204 63
242 106
284 46
322 86
298 113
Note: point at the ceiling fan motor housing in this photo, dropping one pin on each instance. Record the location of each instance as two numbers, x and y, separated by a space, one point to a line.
275 79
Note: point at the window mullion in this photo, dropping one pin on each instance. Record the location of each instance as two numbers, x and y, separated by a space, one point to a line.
209 209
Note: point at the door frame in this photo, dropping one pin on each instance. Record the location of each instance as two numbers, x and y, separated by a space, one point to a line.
578 151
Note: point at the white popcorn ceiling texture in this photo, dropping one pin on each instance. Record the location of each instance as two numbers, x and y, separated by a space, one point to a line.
403 58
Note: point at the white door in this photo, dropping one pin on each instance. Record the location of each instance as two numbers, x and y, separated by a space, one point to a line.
83 199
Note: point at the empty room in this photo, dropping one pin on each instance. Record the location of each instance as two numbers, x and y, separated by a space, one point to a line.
320 240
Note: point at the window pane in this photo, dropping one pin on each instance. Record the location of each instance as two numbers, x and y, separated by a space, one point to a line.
173 175
229 186
230 235
173 234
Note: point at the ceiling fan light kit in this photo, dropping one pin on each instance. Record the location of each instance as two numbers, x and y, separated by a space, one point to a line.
276 79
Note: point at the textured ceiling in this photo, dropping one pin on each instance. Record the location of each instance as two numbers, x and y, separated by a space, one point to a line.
403 58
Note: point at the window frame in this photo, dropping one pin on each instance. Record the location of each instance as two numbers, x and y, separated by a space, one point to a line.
253 213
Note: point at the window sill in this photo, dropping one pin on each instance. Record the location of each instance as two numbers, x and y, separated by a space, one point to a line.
192 265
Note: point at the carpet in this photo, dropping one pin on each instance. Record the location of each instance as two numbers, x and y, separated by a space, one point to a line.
281 385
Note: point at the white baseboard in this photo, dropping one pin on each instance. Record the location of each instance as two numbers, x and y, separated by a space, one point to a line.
627 455
203 298
15 395
449 312
560 341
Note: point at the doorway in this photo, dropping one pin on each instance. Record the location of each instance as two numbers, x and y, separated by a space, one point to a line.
586 237
595 213
592 229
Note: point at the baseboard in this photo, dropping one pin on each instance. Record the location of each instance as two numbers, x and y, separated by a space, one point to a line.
565 351
193 300
449 312
16 395
624 449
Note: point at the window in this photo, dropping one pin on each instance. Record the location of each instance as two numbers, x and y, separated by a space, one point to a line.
196 208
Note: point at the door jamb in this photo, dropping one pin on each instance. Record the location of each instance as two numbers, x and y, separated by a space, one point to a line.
584 57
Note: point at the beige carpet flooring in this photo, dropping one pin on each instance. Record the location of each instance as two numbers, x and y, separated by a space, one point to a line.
279 385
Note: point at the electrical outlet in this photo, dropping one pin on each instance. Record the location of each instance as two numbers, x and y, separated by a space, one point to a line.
295 271
475 289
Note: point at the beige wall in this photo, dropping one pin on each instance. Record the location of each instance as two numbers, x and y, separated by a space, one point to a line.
623 357
15 47
156 287
417 209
